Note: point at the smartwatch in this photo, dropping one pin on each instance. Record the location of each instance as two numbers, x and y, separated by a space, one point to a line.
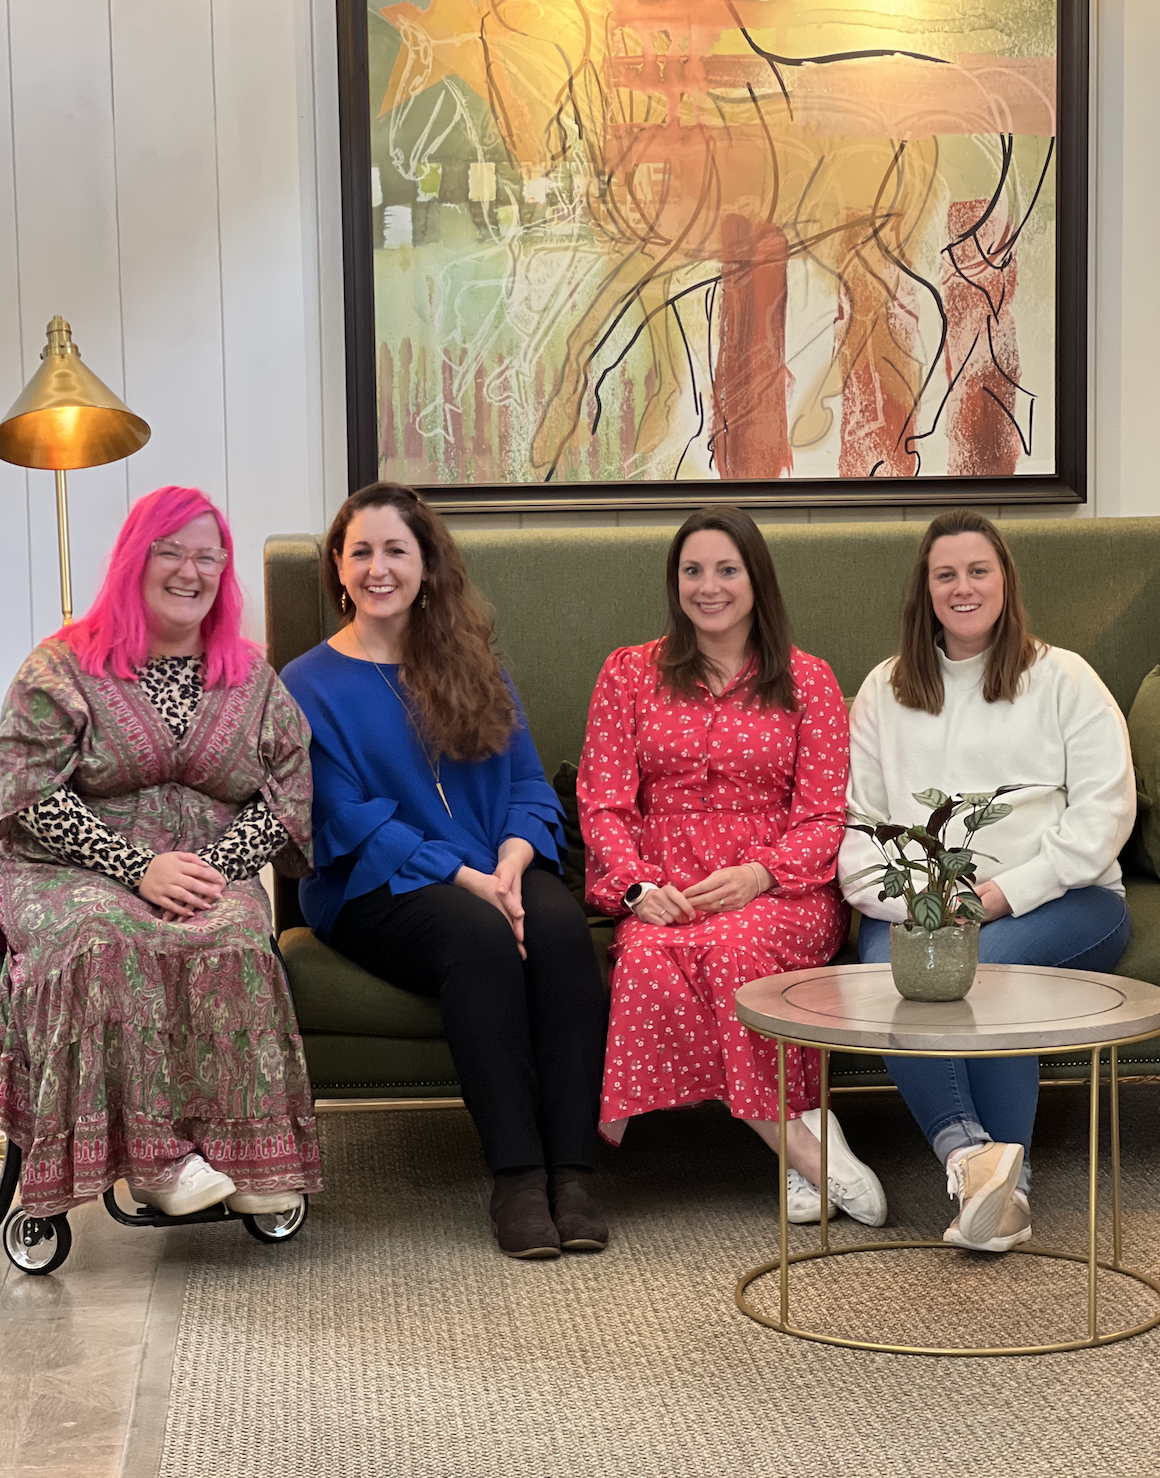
636 892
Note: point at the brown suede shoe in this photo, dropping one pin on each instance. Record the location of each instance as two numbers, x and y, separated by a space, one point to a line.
576 1211
520 1215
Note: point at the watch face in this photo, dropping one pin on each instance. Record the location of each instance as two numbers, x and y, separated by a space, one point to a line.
634 894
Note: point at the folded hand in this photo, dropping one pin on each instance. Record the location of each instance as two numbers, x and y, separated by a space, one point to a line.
667 905
994 900
502 891
181 884
729 887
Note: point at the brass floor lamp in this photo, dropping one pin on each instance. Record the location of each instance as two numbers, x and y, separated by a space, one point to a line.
64 419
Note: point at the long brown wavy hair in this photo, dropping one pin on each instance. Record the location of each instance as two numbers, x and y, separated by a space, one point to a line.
681 663
461 702
917 677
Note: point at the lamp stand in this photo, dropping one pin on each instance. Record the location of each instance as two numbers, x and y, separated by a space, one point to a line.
62 547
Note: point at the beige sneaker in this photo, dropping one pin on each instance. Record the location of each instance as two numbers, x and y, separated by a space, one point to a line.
1014 1227
984 1181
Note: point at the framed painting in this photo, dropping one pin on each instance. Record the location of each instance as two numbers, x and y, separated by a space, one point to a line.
645 253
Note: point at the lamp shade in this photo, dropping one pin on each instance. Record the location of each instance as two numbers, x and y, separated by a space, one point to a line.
65 417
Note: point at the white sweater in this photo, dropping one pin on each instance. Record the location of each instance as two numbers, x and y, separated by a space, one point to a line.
1063 729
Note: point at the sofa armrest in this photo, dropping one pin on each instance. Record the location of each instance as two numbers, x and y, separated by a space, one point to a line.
295 615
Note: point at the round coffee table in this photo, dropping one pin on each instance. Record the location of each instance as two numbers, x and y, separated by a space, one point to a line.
1011 1011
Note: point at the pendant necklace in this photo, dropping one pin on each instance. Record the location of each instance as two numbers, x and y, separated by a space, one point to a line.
434 768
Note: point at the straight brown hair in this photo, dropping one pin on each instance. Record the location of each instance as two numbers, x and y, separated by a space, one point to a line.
917 677
682 665
462 704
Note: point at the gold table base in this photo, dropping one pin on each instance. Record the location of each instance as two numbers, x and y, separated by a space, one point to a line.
782 1264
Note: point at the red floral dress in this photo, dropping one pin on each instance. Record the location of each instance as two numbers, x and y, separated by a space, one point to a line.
671 789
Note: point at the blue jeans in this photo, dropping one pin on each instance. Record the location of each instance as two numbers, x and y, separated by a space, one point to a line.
964 1101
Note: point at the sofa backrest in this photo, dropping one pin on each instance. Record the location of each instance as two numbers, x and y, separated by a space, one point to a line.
565 598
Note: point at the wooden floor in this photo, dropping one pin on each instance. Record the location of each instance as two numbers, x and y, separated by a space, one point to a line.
72 1350
73 1358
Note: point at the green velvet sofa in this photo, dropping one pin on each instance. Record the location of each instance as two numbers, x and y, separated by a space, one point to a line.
566 597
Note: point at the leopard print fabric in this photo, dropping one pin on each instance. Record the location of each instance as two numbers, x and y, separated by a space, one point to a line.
74 834
174 686
255 837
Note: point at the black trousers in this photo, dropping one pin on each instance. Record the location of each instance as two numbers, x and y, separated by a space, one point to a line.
527 1037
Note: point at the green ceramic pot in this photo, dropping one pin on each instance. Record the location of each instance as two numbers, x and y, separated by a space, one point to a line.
934 967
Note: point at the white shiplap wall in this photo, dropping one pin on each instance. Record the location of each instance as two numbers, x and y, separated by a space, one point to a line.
1125 229
169 182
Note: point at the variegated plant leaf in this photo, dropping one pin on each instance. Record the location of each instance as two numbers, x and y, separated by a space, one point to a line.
927 911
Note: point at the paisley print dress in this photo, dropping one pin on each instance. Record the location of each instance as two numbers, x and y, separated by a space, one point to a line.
126 1042
671 789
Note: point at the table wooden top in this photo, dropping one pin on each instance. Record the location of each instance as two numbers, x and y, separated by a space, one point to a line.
1010 1008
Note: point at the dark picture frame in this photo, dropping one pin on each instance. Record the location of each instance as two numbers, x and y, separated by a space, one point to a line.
1068 484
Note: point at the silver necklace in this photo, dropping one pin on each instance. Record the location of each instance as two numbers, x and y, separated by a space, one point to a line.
434 768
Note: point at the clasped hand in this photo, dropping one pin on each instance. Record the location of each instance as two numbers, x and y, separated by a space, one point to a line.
180 884
994 900
503 888
727 888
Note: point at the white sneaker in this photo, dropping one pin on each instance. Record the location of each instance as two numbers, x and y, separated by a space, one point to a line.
264 1203
196 1187
803 1201
854 1187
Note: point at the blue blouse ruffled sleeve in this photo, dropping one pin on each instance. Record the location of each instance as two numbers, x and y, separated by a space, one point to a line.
366 832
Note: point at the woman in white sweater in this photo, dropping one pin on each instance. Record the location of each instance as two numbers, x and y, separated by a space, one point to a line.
974 701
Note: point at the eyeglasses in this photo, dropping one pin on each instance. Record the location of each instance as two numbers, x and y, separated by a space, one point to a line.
170 552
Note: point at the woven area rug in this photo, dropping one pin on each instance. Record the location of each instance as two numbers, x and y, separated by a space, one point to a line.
392 1339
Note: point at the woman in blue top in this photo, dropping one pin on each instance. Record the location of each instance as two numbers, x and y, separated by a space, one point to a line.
436 846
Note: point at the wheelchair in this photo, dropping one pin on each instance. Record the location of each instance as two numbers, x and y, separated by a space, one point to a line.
40 1244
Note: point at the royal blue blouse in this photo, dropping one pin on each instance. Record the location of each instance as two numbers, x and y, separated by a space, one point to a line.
377 815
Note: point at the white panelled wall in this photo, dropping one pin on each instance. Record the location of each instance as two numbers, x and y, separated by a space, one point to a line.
169 183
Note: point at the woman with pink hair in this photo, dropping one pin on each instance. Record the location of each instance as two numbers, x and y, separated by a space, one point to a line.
150 764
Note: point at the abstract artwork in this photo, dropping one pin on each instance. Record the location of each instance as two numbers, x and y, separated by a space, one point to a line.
665 241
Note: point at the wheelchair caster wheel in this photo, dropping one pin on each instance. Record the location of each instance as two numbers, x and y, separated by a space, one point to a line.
37 1244
277 1226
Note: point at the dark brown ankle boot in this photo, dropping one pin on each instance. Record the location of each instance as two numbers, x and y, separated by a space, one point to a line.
576 1211
521 1216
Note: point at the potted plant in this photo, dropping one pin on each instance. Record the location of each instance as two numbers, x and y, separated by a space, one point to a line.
934 953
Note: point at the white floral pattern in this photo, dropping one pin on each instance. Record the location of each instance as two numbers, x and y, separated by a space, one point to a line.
671 789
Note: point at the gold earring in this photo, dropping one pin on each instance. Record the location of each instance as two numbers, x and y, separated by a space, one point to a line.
345 603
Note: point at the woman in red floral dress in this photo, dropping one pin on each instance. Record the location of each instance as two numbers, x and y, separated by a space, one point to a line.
712 800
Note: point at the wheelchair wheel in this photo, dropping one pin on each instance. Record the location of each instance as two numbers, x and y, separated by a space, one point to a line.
277 1226
37 1244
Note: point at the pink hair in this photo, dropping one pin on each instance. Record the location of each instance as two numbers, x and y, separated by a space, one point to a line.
113 636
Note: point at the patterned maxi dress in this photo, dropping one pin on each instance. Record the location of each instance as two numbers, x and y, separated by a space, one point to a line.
128 1043
670 789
